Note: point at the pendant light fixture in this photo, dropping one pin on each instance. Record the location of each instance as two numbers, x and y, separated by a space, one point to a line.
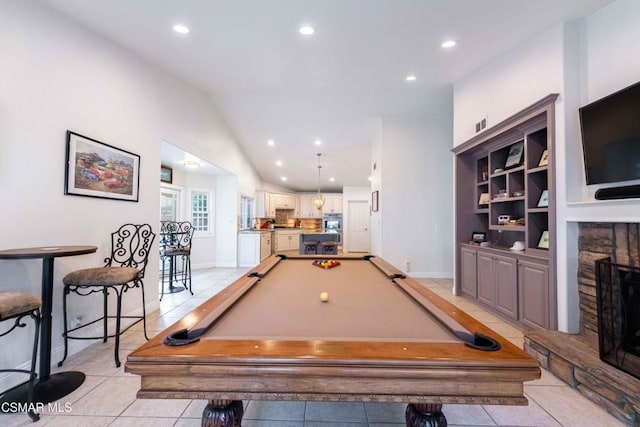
319 201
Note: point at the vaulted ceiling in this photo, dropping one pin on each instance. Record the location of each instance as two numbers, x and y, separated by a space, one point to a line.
270 82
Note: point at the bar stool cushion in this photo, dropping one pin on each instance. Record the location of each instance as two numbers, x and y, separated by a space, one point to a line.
177 251
329 243
101 276
13 303
310 243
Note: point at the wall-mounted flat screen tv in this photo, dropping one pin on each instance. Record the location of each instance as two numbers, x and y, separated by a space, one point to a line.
611 137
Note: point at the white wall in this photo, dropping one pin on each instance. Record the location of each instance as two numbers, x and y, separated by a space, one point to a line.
227 221
57 76
508 84
416 194
376 183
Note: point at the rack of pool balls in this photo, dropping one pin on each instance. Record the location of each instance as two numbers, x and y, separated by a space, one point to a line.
326 263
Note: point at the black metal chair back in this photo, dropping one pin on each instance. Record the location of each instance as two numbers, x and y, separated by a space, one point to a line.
130 247
176 235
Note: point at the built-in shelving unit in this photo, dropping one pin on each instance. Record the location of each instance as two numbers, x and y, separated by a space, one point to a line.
505 190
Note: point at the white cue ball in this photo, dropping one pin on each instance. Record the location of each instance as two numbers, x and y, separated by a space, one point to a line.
324 296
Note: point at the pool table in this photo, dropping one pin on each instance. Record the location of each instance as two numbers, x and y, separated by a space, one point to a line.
380 337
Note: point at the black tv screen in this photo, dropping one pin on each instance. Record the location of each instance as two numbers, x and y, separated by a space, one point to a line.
611 137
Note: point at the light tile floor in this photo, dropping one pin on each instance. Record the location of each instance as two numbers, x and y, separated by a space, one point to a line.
108 396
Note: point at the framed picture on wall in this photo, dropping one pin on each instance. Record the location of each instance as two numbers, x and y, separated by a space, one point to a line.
96 169
166 174
515 156
374 201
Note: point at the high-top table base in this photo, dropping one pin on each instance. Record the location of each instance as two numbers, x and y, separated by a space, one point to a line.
48 387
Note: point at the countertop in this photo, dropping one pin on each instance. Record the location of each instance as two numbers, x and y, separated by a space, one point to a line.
302 230
254 231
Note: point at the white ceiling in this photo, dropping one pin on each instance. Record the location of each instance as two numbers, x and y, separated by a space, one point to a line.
270 82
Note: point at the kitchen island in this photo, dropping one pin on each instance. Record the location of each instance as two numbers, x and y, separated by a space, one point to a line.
318 243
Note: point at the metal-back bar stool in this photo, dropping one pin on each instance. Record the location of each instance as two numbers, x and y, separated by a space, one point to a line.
123 271
16 306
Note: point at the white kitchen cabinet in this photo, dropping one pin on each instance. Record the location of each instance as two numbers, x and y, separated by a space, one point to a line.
253 247
264 207
287 240
332 203
308 207
248 249
265 245
284 201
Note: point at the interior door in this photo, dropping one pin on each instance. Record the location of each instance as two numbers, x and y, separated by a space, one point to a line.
358 226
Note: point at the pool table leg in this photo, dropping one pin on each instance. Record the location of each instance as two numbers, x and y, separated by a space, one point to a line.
425 415
222 413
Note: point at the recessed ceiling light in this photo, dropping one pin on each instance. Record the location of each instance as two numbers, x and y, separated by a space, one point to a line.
307 30
449 43
411 78
284 178
318 142
278 163
192 163
369 178
271 142
332 179
180 29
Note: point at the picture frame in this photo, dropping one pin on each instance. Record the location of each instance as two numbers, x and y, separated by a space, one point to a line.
375 201
96 169
484 199
515 156
478 237
166 174
543 202
544 158
543 243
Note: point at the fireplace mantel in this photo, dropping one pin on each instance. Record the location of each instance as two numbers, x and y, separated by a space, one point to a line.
624 210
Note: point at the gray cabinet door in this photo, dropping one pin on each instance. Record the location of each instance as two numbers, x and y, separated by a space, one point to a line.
468 272
534 294
506 282
486 283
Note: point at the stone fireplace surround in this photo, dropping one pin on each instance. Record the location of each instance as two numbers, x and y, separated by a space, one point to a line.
574 358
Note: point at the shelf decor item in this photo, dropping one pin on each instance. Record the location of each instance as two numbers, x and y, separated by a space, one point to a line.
543 202
544 240
484 199
502 194
478 237
544 159
516 154
166 174
96 169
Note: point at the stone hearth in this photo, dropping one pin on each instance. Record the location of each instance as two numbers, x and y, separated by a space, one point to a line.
575 358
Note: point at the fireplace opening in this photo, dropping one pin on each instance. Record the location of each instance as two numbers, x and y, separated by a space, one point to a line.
618 305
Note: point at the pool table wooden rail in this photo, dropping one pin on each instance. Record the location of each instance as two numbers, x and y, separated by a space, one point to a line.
391 371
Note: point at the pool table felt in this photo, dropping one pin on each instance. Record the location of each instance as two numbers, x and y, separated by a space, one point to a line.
364 305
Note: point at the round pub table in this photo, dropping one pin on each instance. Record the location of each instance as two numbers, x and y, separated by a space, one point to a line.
48 388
